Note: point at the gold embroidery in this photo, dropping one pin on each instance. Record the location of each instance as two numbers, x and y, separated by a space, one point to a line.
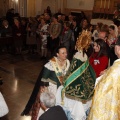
84 89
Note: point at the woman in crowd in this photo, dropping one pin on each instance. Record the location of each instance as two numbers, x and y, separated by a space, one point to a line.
79 82
31 34
95 34
52 73
17 35
55 30
66 36
99 59
75 33
6 29
84 24
106 99
43 32
112 38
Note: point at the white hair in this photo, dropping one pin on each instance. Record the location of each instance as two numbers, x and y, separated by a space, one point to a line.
48 99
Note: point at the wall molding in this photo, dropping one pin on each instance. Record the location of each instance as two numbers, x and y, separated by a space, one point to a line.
88 13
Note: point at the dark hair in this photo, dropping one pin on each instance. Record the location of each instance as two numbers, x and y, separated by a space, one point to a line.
103 48
112 27
75 19
44 20
99 24
55 16
57 49
67 24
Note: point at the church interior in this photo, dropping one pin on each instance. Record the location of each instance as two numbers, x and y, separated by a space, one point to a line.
19 72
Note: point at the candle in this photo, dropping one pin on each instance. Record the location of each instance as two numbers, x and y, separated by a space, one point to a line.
108 4
105 4
101 4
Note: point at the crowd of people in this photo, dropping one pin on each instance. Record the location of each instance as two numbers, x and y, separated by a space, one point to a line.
80 81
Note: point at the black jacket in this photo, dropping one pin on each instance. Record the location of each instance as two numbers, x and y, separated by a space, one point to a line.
54 113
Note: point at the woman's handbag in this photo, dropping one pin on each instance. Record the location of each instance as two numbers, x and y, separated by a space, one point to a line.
3 106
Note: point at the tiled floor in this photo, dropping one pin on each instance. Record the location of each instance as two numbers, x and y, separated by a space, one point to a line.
19 74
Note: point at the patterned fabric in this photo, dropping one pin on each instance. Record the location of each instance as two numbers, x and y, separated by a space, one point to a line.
106 100
51 74
81 87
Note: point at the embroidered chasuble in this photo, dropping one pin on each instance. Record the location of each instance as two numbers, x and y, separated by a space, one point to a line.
106 99
79 80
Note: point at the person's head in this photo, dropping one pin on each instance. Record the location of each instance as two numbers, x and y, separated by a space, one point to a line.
32 20
23 21
102 35
113 30
43 21
70 17
99 26
5 23
59 17
38 17
117 47
42 16
100 47
74 22
84 23
47 100
67 25
55 18
16 21
47 17
61 53
105 28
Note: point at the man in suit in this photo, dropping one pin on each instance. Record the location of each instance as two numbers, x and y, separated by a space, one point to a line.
52 112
